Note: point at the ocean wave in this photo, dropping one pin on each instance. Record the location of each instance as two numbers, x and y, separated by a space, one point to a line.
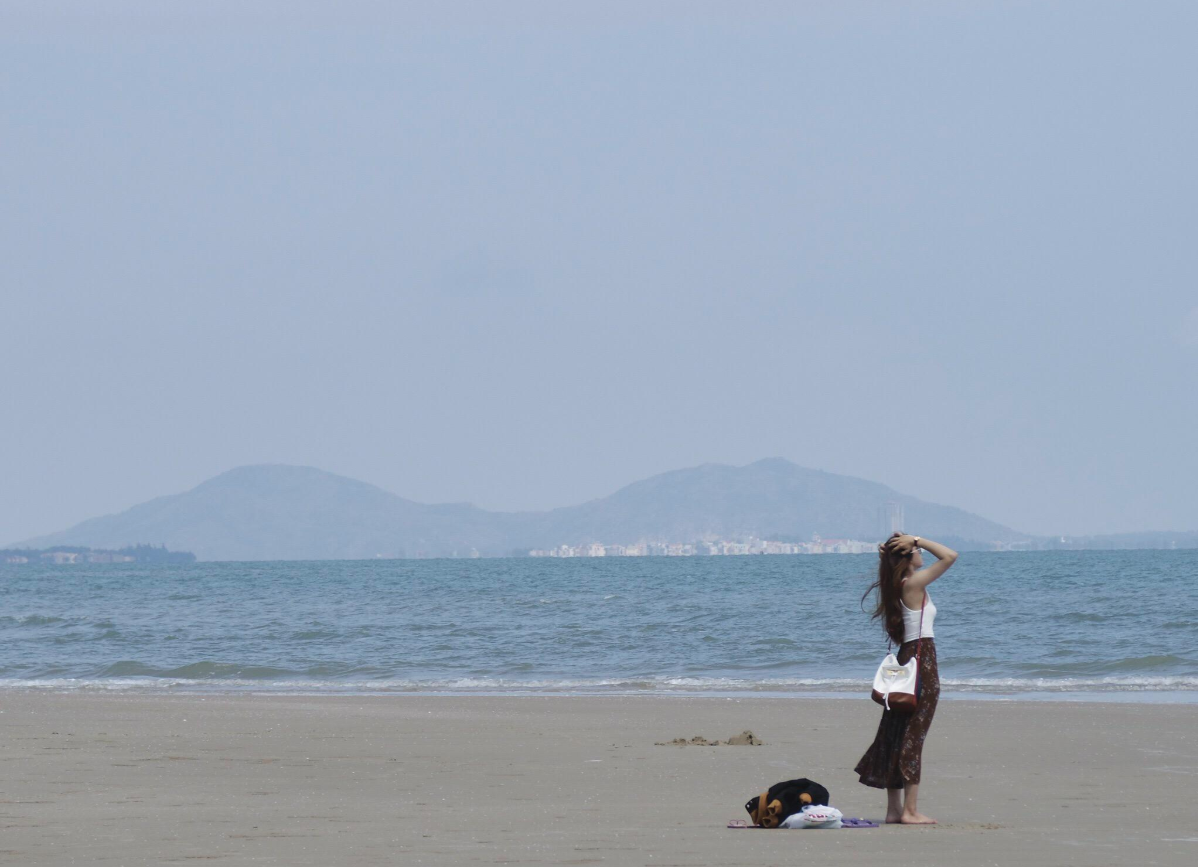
197 672
35 620
1114 683
210 677
1109 667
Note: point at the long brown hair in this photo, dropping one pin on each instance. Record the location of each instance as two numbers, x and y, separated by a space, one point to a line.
894 561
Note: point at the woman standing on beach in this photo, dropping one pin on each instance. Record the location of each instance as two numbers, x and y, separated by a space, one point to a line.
903 605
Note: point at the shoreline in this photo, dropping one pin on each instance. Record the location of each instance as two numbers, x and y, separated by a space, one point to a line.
1115 695
297 780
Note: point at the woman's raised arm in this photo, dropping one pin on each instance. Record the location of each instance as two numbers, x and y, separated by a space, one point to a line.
945 557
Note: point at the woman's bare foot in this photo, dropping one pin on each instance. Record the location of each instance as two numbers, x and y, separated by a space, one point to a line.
894 818
915 819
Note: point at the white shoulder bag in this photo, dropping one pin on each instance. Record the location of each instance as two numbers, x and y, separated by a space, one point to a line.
896 687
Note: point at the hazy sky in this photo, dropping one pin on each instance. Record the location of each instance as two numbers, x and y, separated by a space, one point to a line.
523 254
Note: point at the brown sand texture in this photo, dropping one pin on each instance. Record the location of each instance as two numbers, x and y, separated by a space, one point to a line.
269 780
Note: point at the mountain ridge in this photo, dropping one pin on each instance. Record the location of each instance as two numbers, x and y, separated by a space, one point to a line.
286 512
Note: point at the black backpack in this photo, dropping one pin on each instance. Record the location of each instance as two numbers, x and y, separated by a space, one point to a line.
771 808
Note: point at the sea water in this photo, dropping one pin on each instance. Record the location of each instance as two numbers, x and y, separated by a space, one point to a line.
1109 625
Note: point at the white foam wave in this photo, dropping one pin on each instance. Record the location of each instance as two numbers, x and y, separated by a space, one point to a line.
680 685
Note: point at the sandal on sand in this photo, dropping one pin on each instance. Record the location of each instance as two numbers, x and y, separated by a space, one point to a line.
857 823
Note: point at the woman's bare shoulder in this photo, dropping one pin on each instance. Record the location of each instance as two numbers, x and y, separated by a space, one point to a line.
912 595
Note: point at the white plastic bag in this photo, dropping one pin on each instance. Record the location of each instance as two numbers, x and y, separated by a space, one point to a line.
814 816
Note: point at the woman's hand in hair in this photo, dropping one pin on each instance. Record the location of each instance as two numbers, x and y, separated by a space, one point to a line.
900 545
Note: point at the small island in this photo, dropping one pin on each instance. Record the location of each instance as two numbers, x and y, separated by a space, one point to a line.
65 555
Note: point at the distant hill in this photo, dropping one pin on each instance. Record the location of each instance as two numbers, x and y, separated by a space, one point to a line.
772 498
278 512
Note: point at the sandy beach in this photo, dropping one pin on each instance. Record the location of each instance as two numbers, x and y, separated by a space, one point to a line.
247 779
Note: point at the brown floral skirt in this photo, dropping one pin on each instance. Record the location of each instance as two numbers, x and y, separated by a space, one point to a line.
893 759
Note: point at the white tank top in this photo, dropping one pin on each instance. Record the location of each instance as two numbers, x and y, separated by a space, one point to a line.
911 621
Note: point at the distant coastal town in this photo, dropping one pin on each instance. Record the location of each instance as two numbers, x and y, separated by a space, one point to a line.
65 555
721 548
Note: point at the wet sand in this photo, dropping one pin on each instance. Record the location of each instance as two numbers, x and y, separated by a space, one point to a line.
95 779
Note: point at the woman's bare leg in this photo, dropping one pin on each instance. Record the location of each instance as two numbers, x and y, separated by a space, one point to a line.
911 814
894 806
